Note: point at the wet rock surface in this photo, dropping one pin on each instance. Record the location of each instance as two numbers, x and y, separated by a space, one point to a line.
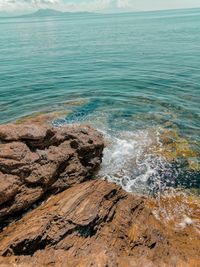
37 159
91 222
96 223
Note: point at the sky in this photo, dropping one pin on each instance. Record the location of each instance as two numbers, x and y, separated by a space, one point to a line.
25 6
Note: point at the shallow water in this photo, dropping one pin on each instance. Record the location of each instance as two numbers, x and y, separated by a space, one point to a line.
133 76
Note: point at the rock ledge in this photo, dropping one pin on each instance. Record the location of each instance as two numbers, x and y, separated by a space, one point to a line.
37 159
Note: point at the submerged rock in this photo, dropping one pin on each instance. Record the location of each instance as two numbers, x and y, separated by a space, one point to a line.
96 223
91 222
175 147
37 159
42 118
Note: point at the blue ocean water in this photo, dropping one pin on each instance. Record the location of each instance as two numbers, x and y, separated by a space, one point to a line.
132 76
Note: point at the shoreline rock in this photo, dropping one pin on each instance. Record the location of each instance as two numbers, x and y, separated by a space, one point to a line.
42 118
36 159
96 223
83 222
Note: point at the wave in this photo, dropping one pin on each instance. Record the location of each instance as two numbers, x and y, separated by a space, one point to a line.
130 162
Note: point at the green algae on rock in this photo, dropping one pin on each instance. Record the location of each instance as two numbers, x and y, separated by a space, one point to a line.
42 117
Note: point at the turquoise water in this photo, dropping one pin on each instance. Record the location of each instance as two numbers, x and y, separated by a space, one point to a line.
132 76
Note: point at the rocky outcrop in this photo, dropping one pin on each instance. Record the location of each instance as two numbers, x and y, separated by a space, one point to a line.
37 160
96 224
78 221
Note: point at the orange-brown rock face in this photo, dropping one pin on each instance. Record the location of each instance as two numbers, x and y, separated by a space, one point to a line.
35 159
96 224
91 223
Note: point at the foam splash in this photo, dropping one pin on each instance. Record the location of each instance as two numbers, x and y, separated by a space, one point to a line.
130 162
146 161
178 209
185 222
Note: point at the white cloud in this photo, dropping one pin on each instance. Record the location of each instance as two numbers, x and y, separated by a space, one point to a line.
123 4
93 5
70 5
25 5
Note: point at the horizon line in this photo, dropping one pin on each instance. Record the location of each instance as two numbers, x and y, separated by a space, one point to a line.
102 12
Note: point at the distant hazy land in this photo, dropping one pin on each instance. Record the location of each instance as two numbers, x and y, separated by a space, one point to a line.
56 13
49 13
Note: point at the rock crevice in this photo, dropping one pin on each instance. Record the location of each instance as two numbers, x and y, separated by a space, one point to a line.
77 221
96 223
35 159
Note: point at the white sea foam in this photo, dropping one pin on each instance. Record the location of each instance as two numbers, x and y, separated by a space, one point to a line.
186 222
129 161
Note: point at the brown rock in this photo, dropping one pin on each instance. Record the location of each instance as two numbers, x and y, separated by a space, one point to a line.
36 159
9 187
97 224
93 223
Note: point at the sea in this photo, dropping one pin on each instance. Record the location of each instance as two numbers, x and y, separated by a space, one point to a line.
133 76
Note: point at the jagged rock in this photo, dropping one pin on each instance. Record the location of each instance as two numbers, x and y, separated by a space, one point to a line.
96 223
91 223
36 159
